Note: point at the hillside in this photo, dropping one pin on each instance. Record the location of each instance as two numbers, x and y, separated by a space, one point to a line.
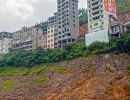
123 5
101 77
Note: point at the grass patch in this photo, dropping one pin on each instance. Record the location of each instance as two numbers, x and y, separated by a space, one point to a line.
128 53
9 85
39 71
10 71
25 72
59 69
128 88
129 70
40 80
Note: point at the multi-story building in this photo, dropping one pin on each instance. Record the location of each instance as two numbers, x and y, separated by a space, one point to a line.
40 37
43 26
52 39
6 35
5 45
29 39
23 39
102 21
68 22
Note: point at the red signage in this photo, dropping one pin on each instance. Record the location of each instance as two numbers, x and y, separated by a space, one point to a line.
106 5
113 6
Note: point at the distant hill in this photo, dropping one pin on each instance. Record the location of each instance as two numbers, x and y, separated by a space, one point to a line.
123 5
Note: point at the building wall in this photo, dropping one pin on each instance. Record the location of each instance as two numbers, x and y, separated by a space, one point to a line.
52 41
51 37
6 35
68 22
40 38
5 45
99 12
29 39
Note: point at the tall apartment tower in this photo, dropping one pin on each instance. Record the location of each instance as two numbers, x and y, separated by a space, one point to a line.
68 22
100 15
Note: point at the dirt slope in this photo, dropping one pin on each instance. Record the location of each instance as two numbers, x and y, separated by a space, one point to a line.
101 77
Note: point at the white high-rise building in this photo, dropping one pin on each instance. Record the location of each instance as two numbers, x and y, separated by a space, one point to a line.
68 22
101 14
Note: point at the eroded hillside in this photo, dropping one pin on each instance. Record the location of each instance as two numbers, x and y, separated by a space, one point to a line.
101 77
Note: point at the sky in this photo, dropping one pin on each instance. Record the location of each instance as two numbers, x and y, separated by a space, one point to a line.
15 14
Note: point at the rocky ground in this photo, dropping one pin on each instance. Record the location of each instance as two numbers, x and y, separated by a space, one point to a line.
101 77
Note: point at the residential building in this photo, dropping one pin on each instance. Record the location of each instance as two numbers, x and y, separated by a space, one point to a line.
52 39
29 39
68 22
5 46
6 35
43 26
40 38
23 39
101 15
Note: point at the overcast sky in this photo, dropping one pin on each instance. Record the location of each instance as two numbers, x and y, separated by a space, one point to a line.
15 14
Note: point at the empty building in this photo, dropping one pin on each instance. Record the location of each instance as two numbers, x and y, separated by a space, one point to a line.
6 35
68 22
5 46
29 39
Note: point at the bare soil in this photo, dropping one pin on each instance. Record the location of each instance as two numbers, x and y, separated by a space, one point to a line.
100 77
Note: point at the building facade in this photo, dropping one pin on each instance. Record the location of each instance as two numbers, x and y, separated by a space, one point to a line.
40 37
6 35
29 39
23 39
5 46
100 15
43 26
68 22
52 38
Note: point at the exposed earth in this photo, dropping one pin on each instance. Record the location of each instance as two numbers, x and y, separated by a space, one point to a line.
101 77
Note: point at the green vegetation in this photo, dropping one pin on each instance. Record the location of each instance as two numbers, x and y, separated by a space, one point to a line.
9 85
37 75
40 56
83 16
128 88
26 71
123 7
59 69
7 71
129 70
40 80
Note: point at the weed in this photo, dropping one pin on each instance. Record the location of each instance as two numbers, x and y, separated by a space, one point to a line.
9 85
